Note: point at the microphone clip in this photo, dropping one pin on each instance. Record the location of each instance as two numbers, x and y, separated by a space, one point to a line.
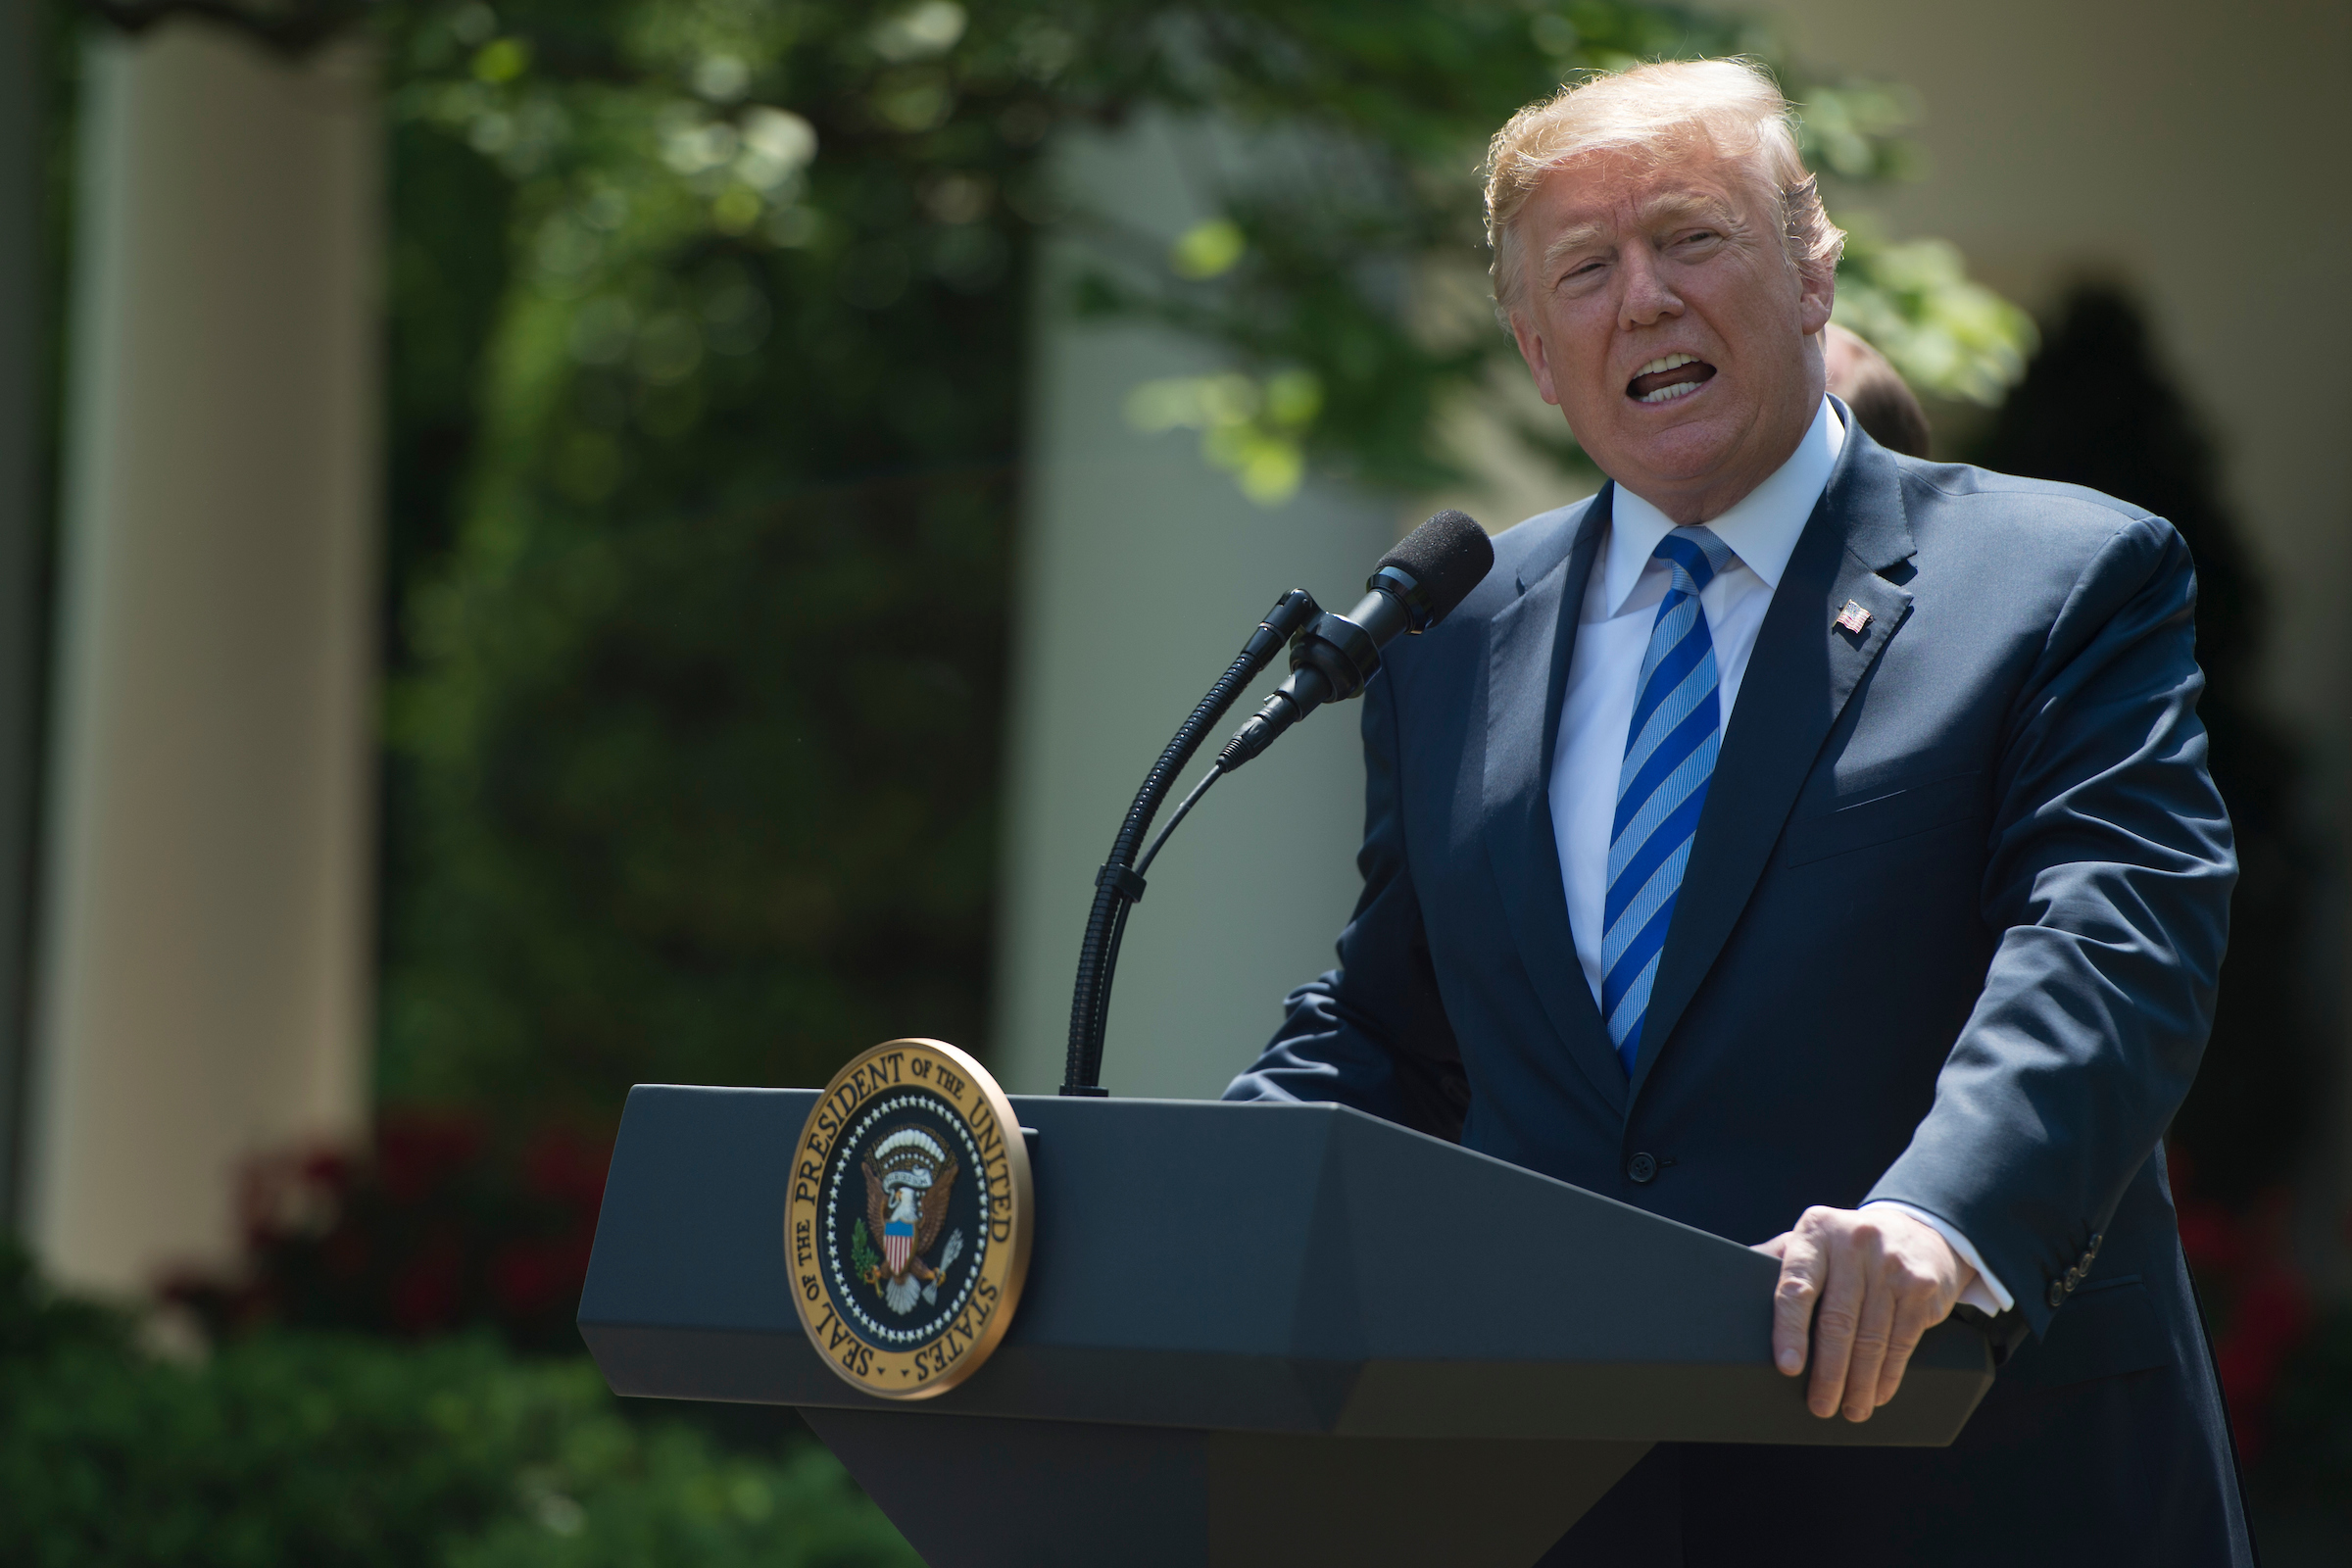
1124 881
1338 650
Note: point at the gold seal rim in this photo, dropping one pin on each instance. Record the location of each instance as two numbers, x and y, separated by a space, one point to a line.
1017 1245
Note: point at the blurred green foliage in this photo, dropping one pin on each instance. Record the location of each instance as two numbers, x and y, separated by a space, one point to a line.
707 444
709 323
344 1452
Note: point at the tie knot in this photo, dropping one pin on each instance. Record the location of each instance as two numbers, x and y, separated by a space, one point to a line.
1695 554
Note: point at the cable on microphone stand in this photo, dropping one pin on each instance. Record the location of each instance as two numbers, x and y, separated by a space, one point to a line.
1216 772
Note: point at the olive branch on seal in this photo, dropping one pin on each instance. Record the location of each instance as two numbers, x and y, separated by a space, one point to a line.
863 1256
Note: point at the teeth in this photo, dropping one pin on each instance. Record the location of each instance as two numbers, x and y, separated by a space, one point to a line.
1669 363
1667 394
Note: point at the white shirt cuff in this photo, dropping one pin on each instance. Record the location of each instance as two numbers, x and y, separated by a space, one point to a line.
1985 1292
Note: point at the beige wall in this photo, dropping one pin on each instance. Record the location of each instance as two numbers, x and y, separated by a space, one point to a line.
2200 157
204 985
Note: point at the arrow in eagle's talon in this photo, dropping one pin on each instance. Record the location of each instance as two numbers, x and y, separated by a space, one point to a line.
954 1249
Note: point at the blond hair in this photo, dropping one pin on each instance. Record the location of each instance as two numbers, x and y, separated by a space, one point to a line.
1730 109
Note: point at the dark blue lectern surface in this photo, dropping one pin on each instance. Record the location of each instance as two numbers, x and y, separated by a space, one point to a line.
1251 1333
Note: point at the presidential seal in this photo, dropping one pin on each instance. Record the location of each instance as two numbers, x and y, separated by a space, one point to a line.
909 1221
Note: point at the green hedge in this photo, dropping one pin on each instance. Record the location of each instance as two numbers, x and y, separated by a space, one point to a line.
335 1451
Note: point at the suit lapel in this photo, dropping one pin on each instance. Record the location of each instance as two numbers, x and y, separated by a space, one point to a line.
1802 671
1529 645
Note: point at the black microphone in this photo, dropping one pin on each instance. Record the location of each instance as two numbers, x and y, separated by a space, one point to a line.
1415 586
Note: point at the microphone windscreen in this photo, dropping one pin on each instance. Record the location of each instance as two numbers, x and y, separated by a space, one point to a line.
1447 556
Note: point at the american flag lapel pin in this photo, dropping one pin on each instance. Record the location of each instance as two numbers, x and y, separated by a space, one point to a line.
1853 618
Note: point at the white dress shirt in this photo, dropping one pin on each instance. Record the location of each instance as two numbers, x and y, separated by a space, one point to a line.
1612 635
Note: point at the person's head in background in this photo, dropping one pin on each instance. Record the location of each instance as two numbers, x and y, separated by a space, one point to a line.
1879 398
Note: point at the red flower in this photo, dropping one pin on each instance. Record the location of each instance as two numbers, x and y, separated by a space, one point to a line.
414 1151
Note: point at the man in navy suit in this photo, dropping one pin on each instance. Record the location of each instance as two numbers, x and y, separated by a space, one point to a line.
1806 843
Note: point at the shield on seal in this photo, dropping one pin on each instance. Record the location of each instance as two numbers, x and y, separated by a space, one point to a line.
898 1246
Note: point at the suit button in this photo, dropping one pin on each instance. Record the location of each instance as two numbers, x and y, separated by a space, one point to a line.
2057 1295
1641 1167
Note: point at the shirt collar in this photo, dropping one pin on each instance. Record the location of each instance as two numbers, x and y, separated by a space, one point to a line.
1762 528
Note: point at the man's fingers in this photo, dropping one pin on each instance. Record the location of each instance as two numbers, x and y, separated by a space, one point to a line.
1792 1299
1836 1323
1894 1366
1916 1312
1872 1334
1775 1247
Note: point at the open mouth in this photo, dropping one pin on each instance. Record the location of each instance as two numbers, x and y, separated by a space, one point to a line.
1666 379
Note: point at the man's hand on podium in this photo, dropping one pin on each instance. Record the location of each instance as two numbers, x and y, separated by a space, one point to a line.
1875 1281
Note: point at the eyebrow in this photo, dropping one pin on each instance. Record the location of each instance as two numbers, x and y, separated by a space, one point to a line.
1570 239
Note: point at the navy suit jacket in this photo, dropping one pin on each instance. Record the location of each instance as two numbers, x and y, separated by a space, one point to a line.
1949 934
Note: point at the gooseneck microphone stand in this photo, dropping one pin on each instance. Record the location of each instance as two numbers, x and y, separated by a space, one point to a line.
1415 586
1120 883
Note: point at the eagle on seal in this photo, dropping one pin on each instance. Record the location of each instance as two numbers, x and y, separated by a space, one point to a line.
909 1180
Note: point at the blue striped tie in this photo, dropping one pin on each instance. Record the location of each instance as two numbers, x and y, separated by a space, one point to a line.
1669 757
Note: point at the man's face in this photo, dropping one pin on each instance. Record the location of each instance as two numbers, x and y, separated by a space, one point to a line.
1661 313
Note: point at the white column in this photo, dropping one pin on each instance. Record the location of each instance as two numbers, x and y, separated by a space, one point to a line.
204 990
1142 571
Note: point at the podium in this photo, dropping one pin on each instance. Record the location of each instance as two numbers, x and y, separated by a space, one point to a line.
1250 1334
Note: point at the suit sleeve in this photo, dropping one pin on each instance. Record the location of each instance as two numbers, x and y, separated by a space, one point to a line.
1372 1033
2109 875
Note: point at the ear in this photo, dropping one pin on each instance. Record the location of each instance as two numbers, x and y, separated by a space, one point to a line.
1817 285
1539 363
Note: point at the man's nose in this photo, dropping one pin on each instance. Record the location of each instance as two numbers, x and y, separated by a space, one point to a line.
1647 298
